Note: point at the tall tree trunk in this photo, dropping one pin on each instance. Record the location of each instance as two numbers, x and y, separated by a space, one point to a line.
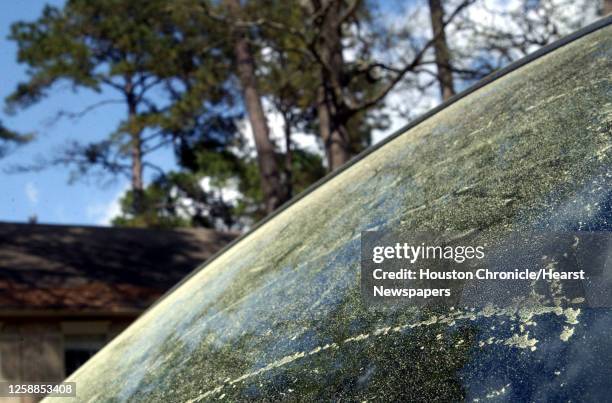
333 133
137 162
445 75
607 7
332 125
268 167
136 154
288 156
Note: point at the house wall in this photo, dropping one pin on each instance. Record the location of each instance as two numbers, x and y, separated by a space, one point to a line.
33 349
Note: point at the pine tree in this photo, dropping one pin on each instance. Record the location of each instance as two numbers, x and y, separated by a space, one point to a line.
132 49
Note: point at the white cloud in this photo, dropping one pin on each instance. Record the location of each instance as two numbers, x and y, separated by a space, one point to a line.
229 193
103 213
305 141
31 192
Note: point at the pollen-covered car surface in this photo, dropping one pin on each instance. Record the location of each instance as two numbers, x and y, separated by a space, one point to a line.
280 315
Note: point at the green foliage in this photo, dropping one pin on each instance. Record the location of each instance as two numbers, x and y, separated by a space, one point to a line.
10 138
294 70
88 44
307 169
172 65
157 210
169 76
178 199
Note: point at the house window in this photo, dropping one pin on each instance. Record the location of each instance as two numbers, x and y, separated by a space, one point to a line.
80 348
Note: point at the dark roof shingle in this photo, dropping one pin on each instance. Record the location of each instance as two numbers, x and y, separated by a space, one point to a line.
96 269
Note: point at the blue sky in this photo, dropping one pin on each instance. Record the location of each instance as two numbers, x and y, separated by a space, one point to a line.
47 194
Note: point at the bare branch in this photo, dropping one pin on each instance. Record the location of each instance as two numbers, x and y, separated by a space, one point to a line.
157 168
157 146
78 115
416 61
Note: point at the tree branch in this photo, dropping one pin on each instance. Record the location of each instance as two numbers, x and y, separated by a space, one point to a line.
350 11
416 61
78 115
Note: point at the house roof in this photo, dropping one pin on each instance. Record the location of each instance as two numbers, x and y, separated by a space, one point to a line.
72 269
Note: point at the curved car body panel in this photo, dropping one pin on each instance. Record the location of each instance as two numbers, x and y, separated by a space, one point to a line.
279 315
